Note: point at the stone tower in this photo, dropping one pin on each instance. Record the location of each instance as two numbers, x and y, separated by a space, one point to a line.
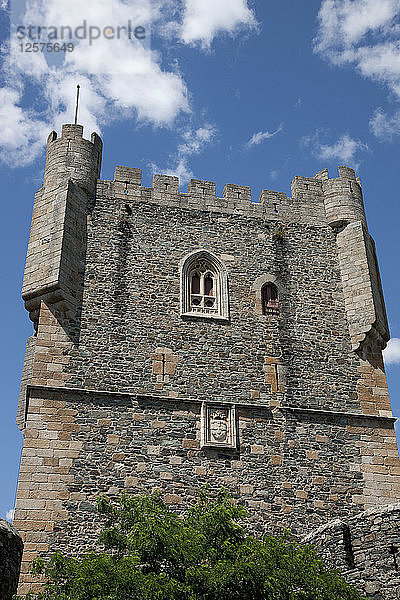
183 339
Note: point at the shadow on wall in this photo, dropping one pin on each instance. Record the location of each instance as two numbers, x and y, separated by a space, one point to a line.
11 547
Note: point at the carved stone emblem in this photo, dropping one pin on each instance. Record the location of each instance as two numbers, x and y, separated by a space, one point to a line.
218 425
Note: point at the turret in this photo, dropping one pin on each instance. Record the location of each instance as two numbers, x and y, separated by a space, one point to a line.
362 289
72 157
343 198
57 243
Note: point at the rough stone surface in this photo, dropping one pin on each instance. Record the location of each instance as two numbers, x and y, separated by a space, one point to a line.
115 381
366 548
11 548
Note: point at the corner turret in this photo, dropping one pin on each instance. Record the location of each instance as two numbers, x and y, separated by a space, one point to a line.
57 243
72 157
342 197
362 289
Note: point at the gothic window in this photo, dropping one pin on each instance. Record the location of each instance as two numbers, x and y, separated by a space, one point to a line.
269 299
204 286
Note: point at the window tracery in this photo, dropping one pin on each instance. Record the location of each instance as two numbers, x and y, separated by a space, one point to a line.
204 286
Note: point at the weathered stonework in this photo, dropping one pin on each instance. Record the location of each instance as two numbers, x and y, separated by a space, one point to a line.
119 373
11 548
366 548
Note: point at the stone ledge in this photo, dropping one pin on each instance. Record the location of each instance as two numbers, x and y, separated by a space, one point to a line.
256 406
348 415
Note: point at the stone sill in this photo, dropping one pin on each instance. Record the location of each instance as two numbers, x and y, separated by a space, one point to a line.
192 315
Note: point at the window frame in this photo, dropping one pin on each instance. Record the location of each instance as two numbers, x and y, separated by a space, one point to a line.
265 309
218 269
256 290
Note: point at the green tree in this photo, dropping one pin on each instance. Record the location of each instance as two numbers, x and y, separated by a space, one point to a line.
152 553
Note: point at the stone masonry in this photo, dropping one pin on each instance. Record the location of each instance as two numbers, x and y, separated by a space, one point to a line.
126 386
11 548
366 548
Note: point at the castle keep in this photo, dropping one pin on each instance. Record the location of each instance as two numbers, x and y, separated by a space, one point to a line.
183 339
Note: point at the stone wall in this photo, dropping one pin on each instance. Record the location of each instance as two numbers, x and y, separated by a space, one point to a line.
366 548
117 390
11 548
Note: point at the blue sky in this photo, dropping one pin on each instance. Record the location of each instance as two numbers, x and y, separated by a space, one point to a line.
252 93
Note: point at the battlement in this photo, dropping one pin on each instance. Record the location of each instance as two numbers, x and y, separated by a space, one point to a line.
306 205
316 200
73 131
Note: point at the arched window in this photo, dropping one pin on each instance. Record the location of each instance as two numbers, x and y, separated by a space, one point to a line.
204 287
269 299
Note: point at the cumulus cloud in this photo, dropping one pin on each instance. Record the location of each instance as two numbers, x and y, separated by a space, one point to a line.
365 35
203 21
119 78
261 136
194 141
10 515
343 24
344 149
21 134
391 354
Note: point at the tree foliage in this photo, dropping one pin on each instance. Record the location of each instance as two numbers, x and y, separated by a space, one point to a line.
152 553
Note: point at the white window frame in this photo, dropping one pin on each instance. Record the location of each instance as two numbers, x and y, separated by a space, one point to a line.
218 269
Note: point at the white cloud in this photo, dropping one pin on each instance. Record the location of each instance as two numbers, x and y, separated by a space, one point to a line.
344 23
119 78
194 142
260 136
344 149
204 20
364 34
21 134
384 126
391 354
10 515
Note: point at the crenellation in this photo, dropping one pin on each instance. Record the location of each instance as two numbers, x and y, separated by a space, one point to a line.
205 190
71 131
306 188
365 549
128 175
165 184
238 193
347 173
322 175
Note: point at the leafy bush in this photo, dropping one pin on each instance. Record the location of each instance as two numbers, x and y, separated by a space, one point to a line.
152 553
